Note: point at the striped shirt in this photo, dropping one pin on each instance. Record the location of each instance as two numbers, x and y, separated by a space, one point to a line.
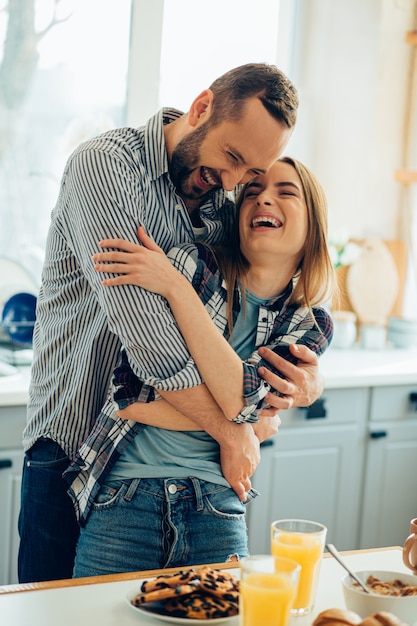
111 185
279 325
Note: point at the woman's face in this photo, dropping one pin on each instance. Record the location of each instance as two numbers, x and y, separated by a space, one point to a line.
273 216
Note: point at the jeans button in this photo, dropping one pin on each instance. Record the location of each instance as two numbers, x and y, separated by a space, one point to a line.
172 489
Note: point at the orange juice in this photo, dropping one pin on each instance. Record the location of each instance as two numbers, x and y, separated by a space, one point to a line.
306 549
266 598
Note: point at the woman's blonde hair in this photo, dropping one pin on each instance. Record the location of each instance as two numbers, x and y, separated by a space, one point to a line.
314 279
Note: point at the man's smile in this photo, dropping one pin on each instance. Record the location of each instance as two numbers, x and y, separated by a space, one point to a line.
208 178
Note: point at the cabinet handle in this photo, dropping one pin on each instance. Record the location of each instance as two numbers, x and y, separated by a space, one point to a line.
378 434
413 399
5 463
317 410
267 443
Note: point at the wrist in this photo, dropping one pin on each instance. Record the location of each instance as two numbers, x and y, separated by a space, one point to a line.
231 434
177 289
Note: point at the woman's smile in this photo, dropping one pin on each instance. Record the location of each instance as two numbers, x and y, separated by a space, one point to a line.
265 221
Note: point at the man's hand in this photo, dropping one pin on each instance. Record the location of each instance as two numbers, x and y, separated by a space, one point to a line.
302 383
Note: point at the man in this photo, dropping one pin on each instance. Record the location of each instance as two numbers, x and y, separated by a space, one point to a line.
171 177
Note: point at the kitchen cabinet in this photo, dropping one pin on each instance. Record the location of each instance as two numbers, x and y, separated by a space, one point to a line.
353 469
390 481
12 422
312 469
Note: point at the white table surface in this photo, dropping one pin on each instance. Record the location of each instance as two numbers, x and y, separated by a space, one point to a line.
104 603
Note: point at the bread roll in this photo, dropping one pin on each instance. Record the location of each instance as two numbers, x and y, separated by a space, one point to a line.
382 619
337 617
341 617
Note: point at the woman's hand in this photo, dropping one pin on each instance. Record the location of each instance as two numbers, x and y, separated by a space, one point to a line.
267 427
144 265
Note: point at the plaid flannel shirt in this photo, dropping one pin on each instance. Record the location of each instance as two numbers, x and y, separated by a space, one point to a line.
279 325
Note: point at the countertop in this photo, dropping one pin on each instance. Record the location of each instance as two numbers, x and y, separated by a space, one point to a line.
341 368
368 368
102 600
14 388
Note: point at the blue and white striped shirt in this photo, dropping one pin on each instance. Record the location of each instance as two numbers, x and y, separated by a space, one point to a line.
111 185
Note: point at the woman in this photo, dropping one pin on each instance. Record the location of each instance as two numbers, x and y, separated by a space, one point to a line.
167 488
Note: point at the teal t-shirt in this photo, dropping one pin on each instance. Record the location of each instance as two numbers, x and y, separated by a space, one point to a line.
244 331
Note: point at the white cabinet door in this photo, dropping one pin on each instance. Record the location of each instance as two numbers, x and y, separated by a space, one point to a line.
390 494
309 473
312 469
390 479
11 462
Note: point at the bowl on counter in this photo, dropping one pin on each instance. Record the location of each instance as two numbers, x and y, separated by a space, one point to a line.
402 606
18 318
402 332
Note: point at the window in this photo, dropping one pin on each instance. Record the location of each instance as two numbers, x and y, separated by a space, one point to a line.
63 78
70 69
180 46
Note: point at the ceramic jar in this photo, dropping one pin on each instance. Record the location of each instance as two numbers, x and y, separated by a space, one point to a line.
344 329
410 547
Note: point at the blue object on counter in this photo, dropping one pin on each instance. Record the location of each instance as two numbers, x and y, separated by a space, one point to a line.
18 318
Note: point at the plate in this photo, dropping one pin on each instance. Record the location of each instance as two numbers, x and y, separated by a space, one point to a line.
156 610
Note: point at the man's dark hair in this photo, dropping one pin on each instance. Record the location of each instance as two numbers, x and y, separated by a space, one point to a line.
259 80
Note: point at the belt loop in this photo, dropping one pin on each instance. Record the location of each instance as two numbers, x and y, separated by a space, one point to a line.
198 494
132 488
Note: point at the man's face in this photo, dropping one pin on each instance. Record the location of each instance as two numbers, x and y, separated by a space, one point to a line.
232 152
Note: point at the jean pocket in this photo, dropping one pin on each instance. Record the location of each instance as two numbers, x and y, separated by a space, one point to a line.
225 503
46 454
43 462
110 495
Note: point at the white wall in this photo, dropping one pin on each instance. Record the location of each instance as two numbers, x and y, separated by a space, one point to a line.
352 70
350 64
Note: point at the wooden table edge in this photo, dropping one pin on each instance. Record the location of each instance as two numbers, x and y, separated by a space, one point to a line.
111 578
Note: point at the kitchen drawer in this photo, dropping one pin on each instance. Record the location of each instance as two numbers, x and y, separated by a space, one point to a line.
12 423
393 402
336 406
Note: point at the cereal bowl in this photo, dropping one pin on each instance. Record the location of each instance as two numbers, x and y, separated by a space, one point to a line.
364 604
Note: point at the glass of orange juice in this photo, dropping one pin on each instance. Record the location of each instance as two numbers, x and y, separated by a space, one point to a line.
268 587
303 541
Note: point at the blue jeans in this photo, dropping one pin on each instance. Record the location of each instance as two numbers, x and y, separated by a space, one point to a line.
48 527
142 524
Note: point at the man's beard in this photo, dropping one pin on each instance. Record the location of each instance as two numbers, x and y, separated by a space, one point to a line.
184 160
